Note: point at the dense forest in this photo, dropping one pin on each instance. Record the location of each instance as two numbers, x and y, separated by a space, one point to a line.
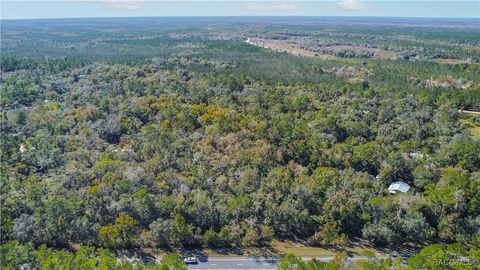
176 133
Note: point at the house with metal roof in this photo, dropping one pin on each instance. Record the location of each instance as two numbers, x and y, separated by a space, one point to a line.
398 186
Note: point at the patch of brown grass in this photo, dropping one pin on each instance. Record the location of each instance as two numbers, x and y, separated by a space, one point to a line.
445 61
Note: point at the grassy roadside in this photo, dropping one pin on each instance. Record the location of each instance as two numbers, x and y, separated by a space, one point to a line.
467 118
276 248
308 251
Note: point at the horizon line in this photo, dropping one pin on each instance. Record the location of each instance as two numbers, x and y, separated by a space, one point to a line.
239 16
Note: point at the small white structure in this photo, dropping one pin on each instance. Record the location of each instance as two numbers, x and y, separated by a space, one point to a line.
22 148
398 186
415 155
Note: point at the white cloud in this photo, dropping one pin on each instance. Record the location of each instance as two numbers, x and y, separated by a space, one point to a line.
256 7
350 5
123 4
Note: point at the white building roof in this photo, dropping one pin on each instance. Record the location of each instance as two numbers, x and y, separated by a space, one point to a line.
398 186
416 155
22 148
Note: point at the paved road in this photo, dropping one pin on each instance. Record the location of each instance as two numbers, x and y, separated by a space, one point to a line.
235 263
243 263
471 112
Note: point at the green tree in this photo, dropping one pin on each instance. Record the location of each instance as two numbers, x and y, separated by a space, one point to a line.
172 261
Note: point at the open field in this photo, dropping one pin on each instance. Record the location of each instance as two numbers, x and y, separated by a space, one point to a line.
285 46
294 48
450 61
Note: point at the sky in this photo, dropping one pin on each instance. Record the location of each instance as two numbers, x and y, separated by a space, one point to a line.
40 9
